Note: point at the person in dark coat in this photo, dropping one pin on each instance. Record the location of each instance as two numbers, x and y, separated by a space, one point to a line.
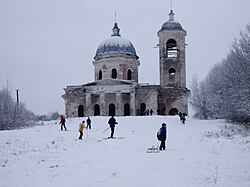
62 122
112 122
151 111
182 117
163 136
88 123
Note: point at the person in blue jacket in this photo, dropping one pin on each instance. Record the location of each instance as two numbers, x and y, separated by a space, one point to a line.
162 136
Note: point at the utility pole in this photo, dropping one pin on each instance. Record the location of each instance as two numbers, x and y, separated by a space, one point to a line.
17 97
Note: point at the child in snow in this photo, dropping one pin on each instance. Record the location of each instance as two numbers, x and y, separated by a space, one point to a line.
81 128
62 122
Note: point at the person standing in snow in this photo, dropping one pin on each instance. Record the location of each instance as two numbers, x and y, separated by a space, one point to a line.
81 128
62 122
88 123
182 117
151 112
162 136
112 122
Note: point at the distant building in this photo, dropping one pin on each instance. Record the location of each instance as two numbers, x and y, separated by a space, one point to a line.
116 91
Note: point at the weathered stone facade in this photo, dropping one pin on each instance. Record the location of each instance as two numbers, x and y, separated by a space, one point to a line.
116 90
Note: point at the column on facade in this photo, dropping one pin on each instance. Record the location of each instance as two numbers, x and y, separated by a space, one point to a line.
88 111
118 104
132 104
102 104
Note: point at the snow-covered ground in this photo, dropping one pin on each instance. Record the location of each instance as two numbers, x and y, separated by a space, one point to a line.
200 153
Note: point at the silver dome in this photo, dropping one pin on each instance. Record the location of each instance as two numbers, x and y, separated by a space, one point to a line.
171 24
115 45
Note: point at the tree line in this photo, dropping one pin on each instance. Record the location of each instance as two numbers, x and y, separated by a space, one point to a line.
225 92
14 115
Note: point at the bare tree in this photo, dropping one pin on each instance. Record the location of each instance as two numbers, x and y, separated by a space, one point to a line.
12 115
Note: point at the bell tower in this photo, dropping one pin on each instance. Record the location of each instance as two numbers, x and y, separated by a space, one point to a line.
172 54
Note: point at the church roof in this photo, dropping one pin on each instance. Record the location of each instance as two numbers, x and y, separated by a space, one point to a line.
115 45
171 24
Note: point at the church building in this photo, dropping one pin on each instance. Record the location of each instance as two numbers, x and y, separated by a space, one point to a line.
116 90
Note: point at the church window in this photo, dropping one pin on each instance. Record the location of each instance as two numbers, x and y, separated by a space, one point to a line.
129 74
126 109
171 71
111 109
171 48
97 110
80 111
114 74
100 75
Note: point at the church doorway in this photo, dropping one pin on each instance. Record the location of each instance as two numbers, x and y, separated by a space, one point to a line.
80 111
142 108
96 110
173 112
126 109
111 109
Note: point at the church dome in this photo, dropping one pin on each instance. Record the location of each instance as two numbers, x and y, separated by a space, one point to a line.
115 45
171 24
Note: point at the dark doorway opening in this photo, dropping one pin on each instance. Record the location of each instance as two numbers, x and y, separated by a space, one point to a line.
111 109
143 108
96 110
80 111
126 109
173 112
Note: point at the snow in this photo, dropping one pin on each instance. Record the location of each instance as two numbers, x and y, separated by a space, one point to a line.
116 41
199 153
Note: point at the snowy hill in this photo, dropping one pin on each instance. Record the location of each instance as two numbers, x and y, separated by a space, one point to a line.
200 153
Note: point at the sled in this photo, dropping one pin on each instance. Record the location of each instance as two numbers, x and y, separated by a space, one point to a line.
153 149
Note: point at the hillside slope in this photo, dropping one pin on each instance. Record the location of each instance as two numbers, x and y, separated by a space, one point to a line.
200 153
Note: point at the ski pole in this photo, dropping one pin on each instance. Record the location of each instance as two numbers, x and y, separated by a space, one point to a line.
105 130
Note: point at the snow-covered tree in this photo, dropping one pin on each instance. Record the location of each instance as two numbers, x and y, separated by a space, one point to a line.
225 92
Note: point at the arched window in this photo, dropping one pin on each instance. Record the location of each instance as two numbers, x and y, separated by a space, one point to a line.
173 112
80 111
171 71
97 110
114 74
129 74
126 109
171 48
100 75
111 109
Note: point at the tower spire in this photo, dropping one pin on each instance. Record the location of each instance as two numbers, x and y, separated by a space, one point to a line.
171 14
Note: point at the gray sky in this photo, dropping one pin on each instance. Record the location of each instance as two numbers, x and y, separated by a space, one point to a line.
46 45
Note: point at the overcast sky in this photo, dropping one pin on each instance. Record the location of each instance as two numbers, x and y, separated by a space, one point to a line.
46 45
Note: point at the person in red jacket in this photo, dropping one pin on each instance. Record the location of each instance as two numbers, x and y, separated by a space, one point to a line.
62 122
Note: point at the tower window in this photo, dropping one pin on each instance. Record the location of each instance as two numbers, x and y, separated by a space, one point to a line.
171 71
114 74
100 75
171 48
129 74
